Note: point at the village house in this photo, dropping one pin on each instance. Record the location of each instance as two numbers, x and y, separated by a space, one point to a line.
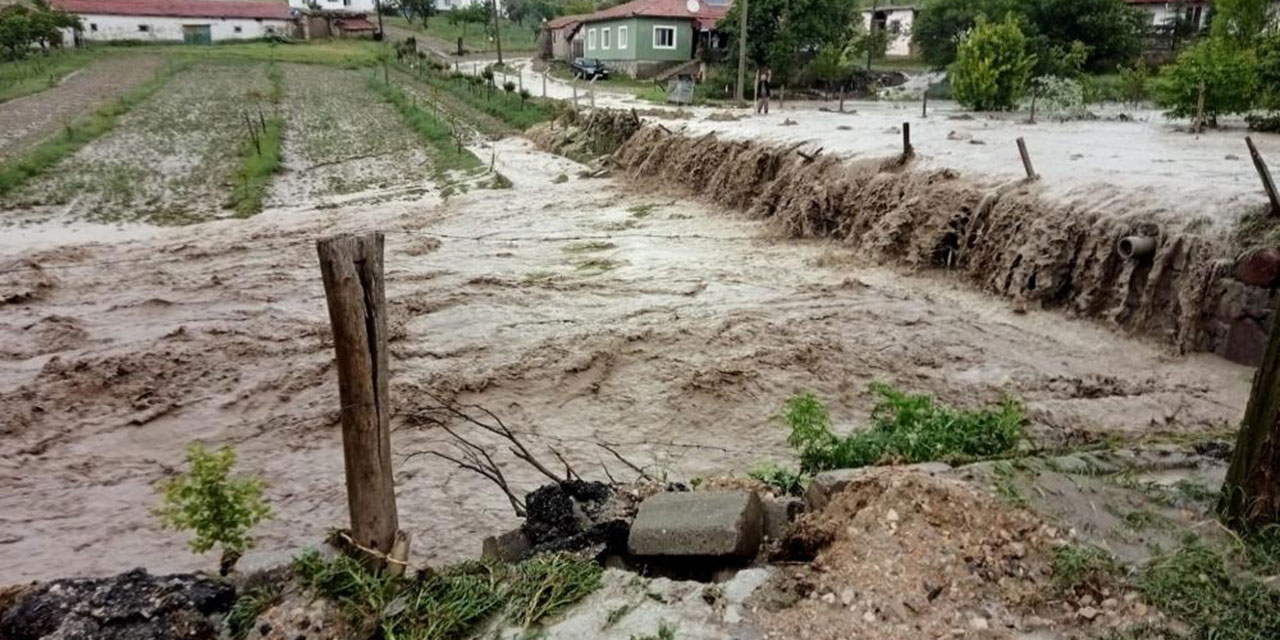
643 38
450 5
189 21
558 40
896 20
339 18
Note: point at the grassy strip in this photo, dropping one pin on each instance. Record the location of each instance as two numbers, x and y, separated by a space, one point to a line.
261 159
515 38
506 106
450 603
351 54
449 152
73 137
1205 587
40 71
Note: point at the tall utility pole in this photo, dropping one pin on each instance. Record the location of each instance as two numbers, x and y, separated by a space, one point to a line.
497 29
742 51
377 6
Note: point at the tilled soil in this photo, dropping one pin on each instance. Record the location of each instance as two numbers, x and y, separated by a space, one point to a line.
577 310
28 120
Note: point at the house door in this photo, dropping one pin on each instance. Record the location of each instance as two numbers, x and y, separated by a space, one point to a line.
196 34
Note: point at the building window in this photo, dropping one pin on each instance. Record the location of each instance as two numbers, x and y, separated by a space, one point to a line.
895 27
238 29
144 28
622 37
591 39
604 38
664 37
93 26
270 29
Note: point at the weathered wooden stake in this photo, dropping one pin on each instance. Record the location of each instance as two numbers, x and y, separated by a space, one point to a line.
1026 159
841 98
351 267
1199 124
924 103
906 139
575 95
544 84
1268 184
1251 492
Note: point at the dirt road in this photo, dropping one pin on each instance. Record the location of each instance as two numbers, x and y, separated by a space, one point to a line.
575 309
26 121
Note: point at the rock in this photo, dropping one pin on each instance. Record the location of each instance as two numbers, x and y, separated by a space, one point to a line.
130 606
1088 613
779 513
1259 268
978 623
847 596
828 483
700 523
1246 342
511 546
575 515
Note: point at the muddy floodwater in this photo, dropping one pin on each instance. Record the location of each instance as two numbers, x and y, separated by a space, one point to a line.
579 310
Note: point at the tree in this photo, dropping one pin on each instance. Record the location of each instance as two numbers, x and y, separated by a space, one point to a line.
418 10
219 509
1251 492
1226 73
942 23
472 14
22 26
1239 22
992 66
780 32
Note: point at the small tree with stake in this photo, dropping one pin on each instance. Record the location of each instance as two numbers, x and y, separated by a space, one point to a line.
509 87
524 97
487 74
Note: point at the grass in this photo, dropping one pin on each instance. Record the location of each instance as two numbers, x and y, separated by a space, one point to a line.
40 71
336 52
666 631
451 603
1202 586
450 155
260 157
784 481
18 170
503 105
1080 569
515 38
244 613
906 428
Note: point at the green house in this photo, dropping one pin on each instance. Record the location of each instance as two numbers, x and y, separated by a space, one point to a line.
646 37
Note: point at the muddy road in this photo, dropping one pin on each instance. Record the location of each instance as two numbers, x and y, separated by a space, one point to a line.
580 311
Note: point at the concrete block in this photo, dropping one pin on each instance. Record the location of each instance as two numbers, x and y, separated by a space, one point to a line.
698 523
828 483
779 513
508 547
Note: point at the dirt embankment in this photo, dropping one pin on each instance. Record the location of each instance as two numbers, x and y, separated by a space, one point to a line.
1003 237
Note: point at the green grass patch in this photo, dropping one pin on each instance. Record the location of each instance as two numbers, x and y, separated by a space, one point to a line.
244 613
780 479
349 53
515 37
1080 569
40 71
506 106
1204 587
453 602
261 155
18 170
449 154
906 428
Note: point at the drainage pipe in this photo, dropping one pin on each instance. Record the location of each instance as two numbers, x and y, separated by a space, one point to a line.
1134 247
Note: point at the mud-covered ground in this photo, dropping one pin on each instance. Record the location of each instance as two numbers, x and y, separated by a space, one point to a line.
28 120
341 138
577 310
169 160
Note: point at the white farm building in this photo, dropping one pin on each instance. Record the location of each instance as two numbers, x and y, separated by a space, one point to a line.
897 21
190 21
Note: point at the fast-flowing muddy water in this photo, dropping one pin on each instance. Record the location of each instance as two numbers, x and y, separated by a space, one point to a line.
579 310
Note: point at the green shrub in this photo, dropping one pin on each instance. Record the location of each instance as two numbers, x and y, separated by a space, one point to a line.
906 428
992 66
1227 74
785 481
219 509
1060 98
1133 83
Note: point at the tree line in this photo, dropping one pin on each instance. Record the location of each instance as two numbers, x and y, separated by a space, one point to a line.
23 27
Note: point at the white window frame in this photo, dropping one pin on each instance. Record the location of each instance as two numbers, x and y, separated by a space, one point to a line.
591 39
674 35
622 38
606 39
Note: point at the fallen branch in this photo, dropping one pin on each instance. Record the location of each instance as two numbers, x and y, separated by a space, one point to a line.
498 428
642 472
810 158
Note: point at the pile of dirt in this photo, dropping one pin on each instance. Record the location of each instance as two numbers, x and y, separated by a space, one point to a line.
600 132
905 555
130 606
1004 238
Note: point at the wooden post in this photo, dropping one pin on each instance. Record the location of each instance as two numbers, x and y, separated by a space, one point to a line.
1199 123
1026 159
782 96
1268 184
351 267
1251 493
924 102
497 30
906 139
575 95
841 98
591 89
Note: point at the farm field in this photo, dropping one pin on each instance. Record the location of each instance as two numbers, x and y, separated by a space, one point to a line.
341 138
27 120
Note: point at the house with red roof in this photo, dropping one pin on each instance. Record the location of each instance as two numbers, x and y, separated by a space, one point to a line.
643 38
190 21
558 41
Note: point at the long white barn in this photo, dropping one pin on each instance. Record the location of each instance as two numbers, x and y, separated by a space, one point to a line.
191 21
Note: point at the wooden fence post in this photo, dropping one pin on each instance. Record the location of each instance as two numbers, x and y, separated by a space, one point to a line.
924 102
1026 159
906 139
351 267
1268 184
544 84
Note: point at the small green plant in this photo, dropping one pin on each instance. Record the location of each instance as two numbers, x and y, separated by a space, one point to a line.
546 584
666 631
784 481
1080 569
1203 587
1133 83
906 428
251 604
219 509
992 66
